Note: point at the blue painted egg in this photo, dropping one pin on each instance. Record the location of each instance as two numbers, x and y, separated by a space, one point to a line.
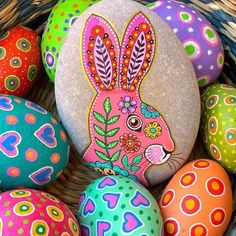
34 147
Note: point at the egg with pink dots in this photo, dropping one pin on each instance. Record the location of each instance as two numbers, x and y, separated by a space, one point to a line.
199 38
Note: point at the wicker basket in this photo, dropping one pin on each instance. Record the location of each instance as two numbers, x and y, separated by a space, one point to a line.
33 13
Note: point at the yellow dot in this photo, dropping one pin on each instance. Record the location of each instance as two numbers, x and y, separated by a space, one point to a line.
221 142
218 216
229 110
231 119
187 179
224 94
170 228
198 231
167 198
227 160
190 204
234 161
97 31
223 123
209 137
233 152
219 105
220 114
220 132
224 151
235 109
214 139
215 185
213 111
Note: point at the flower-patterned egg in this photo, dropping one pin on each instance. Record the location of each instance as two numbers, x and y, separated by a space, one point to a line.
218 127
197 201
31 212
116 205
33 146
63 15
20 61
201 42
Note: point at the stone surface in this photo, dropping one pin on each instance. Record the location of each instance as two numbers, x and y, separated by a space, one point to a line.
199 38
143 126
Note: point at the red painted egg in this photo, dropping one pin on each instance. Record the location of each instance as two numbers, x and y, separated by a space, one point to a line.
20 61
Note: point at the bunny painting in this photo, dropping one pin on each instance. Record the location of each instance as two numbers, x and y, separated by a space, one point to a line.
127 135
126 92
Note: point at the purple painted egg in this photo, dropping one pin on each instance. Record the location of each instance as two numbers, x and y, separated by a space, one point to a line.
200 40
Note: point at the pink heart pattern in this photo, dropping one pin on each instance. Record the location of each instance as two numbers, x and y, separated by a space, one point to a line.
111 199
89 208
131 222
139 200
103 227
107 182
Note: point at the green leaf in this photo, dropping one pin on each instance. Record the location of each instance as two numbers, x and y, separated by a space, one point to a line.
102 155
107 105
112 144
134 168
99 117
112 132
99 130
113 120
100 143
137 159
124 161
115 156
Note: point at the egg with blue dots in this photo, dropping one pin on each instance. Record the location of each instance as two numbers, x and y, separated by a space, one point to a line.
34 147
218 125
198 37
117 205
62 17
31 212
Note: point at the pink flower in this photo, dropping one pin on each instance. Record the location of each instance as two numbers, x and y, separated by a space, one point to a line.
127 105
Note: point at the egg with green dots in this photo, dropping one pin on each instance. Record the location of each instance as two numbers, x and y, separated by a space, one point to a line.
62 17
218 126
28 212
116 205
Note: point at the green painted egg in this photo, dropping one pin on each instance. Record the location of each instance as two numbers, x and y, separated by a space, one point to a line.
219 124
63 15
34 147
117 205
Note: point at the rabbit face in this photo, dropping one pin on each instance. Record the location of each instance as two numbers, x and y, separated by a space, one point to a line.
127 135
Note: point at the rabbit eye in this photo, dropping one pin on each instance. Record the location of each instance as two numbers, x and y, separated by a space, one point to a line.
134 123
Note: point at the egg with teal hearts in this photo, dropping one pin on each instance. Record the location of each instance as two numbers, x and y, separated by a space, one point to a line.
218 125
34 147
62 17
117 205
34 213
197 35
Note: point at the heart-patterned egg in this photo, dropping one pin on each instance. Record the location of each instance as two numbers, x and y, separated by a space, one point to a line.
201 42
197 201
116 205
34 147
218 126
30 212
20 61
62 17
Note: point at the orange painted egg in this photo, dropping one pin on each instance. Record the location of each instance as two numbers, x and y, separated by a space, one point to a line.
197 201
20 61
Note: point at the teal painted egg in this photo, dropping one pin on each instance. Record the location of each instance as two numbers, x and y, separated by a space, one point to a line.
219 124
116 205
34 147
62 17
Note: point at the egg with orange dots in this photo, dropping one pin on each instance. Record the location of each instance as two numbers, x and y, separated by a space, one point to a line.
20 61
197 201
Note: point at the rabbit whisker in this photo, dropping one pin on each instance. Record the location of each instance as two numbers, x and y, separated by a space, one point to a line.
176 161
169 165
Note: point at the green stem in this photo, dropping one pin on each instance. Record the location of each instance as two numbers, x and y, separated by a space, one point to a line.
105 137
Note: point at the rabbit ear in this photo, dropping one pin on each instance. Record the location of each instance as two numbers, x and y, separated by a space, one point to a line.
100 53
137 52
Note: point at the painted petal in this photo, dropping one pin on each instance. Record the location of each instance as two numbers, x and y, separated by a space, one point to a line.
143 105
124 110
132 109
121 103
133 102
127 98
147 114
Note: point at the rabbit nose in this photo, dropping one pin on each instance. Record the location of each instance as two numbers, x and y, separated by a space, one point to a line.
156 154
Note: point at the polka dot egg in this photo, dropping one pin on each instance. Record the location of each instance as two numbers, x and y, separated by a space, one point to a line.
20 61
197 201
33 213
218 126
33 145
200 40
117 205
62 17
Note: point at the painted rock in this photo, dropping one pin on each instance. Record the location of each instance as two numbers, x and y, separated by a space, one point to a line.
201 42
63 15
218 126
33 146
20 61
121 95
116 205
197 201
34 213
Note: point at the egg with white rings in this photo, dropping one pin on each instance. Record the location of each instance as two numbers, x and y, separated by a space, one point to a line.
199 38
